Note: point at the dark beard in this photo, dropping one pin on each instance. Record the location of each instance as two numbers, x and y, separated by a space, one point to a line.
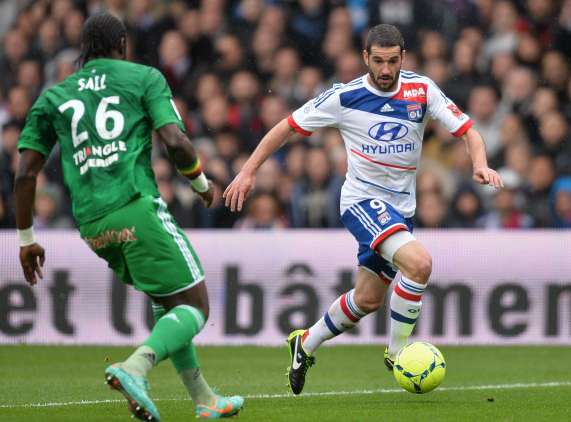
390 88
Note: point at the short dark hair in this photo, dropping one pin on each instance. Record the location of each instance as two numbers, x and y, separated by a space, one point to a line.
101 34
384 35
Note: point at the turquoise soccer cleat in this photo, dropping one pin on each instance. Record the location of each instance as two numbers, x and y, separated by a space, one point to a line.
224 407
135 389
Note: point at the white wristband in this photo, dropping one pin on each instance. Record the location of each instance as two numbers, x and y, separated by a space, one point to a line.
26 236
200 183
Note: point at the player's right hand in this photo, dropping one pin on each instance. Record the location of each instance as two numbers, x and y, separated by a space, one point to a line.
32 258
207 196
236 192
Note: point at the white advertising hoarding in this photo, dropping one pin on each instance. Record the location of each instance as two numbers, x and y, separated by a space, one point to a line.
488 287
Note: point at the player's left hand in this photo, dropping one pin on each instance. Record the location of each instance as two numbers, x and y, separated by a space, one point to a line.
32 258
238 190
487 176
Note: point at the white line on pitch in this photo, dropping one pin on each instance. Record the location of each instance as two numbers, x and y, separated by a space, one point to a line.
317 394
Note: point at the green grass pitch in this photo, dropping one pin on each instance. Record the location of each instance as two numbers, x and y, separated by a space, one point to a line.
347 384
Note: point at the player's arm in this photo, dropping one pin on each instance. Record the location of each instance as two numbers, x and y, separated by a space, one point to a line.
322 111
477 151
460 125
32 255
244 181
186 161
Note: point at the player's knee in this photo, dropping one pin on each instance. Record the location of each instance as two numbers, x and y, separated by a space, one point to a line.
420 268
367 303
205 311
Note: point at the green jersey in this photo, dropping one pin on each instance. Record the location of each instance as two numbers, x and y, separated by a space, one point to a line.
103 117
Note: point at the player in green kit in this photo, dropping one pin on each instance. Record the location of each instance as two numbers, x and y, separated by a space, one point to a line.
103 117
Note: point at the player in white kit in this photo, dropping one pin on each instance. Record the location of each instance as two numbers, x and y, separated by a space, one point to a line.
381 117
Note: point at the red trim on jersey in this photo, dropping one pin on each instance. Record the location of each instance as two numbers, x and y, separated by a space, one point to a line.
386 234
297 127
381 163
345 308
406 295
407 88
463 129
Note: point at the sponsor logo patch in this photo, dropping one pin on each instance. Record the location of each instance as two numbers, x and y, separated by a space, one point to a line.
388 131
384 218
414 111
455 110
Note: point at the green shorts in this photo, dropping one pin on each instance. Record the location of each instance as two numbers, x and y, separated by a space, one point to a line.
145 247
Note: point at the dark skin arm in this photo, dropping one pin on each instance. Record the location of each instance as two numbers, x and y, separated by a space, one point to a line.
32 257
182 154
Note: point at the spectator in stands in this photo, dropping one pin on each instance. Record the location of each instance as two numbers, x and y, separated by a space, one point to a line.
263 211
466 208
561 202
238 67
507 212
431 211
538 186
464 75
244 111
483 108
554 133
555 71
316 195
46 209
14 52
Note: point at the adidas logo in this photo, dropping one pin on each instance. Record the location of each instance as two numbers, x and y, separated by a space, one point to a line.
172 316
387 108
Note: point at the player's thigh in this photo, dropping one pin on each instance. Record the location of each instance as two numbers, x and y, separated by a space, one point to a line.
104 241
414 261
162 262
372 222
158 255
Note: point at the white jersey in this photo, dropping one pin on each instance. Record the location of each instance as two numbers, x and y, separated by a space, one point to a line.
383 134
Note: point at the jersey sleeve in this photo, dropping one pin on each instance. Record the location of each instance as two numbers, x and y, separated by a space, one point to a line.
38 133
321 111
441 108
158 101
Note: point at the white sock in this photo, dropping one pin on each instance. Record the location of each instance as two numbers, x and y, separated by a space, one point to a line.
198 388
405 309
140 362
342 315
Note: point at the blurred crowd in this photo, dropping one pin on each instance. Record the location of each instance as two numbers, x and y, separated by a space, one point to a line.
236 68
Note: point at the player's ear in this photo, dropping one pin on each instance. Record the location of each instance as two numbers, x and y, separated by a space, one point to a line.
366 57
123 50
402 56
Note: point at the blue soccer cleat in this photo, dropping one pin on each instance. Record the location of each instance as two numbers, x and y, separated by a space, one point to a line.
224 407
135 389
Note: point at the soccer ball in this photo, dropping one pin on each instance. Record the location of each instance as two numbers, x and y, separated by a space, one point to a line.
419 367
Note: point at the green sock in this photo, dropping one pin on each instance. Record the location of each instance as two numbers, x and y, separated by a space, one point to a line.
187 366
197 386
174 330
186 363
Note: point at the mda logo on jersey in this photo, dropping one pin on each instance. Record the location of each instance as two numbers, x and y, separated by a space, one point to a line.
388 131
